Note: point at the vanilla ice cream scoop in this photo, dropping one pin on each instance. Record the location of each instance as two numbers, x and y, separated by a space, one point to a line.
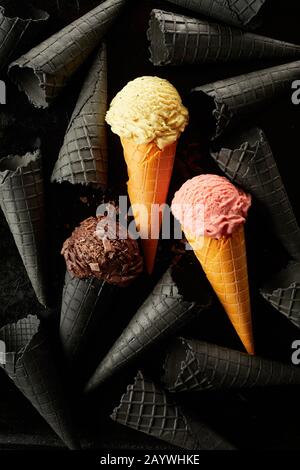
148 109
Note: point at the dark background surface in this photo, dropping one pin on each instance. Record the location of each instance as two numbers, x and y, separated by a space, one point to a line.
263 419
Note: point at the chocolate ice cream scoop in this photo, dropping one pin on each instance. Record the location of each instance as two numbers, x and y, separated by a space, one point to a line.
102 248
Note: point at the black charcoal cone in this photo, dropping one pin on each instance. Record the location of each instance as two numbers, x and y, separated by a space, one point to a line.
31 366
176 39
22 202
163 312
43 72
248 161
197 366
83 302
243 13
235 98
83 156
283 292
147 408
20 25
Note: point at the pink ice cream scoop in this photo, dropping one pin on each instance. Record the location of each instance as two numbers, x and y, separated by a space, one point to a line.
210 205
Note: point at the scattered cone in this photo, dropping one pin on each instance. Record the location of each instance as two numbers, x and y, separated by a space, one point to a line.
163 312
83 156
248 161
243 13
177 39
43 72
18 30
30 365
195 366
84 300
283 292
147 408
22 202
236 97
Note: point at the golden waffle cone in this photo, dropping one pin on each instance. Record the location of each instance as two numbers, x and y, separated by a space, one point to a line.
225 264
149 171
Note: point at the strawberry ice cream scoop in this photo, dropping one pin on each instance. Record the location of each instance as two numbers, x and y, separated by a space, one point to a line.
210 205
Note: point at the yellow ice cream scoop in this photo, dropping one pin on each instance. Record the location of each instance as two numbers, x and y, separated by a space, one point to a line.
148 109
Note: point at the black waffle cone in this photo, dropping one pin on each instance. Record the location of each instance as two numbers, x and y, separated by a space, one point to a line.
84 300
236 97
18 30
147 408
198 366
236 12
248 161
83 156
283 292
30 365
163 312
43 72
176 39
22 202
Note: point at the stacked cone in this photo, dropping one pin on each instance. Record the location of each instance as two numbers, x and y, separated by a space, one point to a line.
149 175
236 97
83 156
17 30
198 366
83 302
147 408
43 72
243 13
224 262
176 39
22 202
248 161
163 312
31 366
283 292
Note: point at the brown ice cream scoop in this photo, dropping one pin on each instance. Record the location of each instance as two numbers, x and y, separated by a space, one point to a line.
100 247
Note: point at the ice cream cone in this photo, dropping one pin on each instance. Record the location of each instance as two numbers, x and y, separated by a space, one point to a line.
149 171
43 72
236 97
22 202
283 292
83 301
18 30
196 366
248 161
149 117
224 262
163 312
83 156
243 13
176 39
212 213
30 365
147 408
